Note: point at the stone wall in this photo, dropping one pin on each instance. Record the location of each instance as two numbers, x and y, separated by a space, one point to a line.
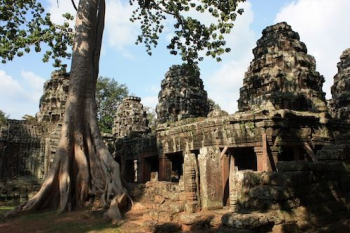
165 200
306 195
21 150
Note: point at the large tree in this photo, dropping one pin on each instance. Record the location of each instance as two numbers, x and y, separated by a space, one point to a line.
83 170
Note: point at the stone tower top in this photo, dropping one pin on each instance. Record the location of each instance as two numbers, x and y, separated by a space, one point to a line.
282 75
341 88
131 118
53 101
182 95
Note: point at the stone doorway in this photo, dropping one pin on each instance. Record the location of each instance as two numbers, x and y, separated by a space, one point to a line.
244 158
177 161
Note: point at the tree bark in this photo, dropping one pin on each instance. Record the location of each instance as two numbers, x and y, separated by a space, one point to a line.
83 170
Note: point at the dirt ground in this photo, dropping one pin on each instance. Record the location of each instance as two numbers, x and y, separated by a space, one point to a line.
87 222
76 221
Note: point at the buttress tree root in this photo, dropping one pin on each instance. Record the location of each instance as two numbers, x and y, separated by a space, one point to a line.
83 171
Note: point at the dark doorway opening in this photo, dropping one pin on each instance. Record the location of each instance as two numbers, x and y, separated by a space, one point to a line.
151 167
130 171
292 153
245 158
177 161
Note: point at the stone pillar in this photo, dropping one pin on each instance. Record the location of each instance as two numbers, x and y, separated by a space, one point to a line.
260 159
235 185
262 156
191 183
2 154
47 156
225 173
210 178
165 168
274 153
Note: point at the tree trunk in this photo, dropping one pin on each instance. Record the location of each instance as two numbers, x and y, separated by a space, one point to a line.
83 171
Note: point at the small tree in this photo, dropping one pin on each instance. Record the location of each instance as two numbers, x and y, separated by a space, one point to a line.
3 118
109 94
151 117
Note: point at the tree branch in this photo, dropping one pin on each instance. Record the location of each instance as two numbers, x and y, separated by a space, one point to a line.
75 7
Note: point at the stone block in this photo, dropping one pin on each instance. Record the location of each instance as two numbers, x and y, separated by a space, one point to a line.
210 180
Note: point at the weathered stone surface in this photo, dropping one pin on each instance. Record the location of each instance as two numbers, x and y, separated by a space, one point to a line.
211 187
53 102
182 95
21 150
131 118
191 183
282 75
334 152
340 89
245 221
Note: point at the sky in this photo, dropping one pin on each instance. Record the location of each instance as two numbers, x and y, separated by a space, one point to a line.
323 25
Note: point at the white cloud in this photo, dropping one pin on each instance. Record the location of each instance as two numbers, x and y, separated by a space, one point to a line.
223 84
58 8
323 26
34 85
9 87
150 101
22 94
121 32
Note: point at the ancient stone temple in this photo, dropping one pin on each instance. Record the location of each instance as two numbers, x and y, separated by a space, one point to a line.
53 102
130 119
341 88
182 95
282 75
282 154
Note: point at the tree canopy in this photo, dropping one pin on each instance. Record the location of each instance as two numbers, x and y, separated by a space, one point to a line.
191 35
109 94
24 25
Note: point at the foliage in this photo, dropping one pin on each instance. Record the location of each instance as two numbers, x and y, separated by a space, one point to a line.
191 35
213 105
151 117
3 118
24 25
109 94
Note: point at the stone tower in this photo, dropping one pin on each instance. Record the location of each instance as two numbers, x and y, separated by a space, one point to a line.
282 75
182 95
53 102
341 88
131 118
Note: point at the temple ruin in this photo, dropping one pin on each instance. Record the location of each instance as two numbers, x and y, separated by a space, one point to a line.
282 150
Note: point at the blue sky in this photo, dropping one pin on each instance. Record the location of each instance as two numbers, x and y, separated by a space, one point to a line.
322 24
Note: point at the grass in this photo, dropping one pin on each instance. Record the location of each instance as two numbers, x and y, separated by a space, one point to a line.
5 209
